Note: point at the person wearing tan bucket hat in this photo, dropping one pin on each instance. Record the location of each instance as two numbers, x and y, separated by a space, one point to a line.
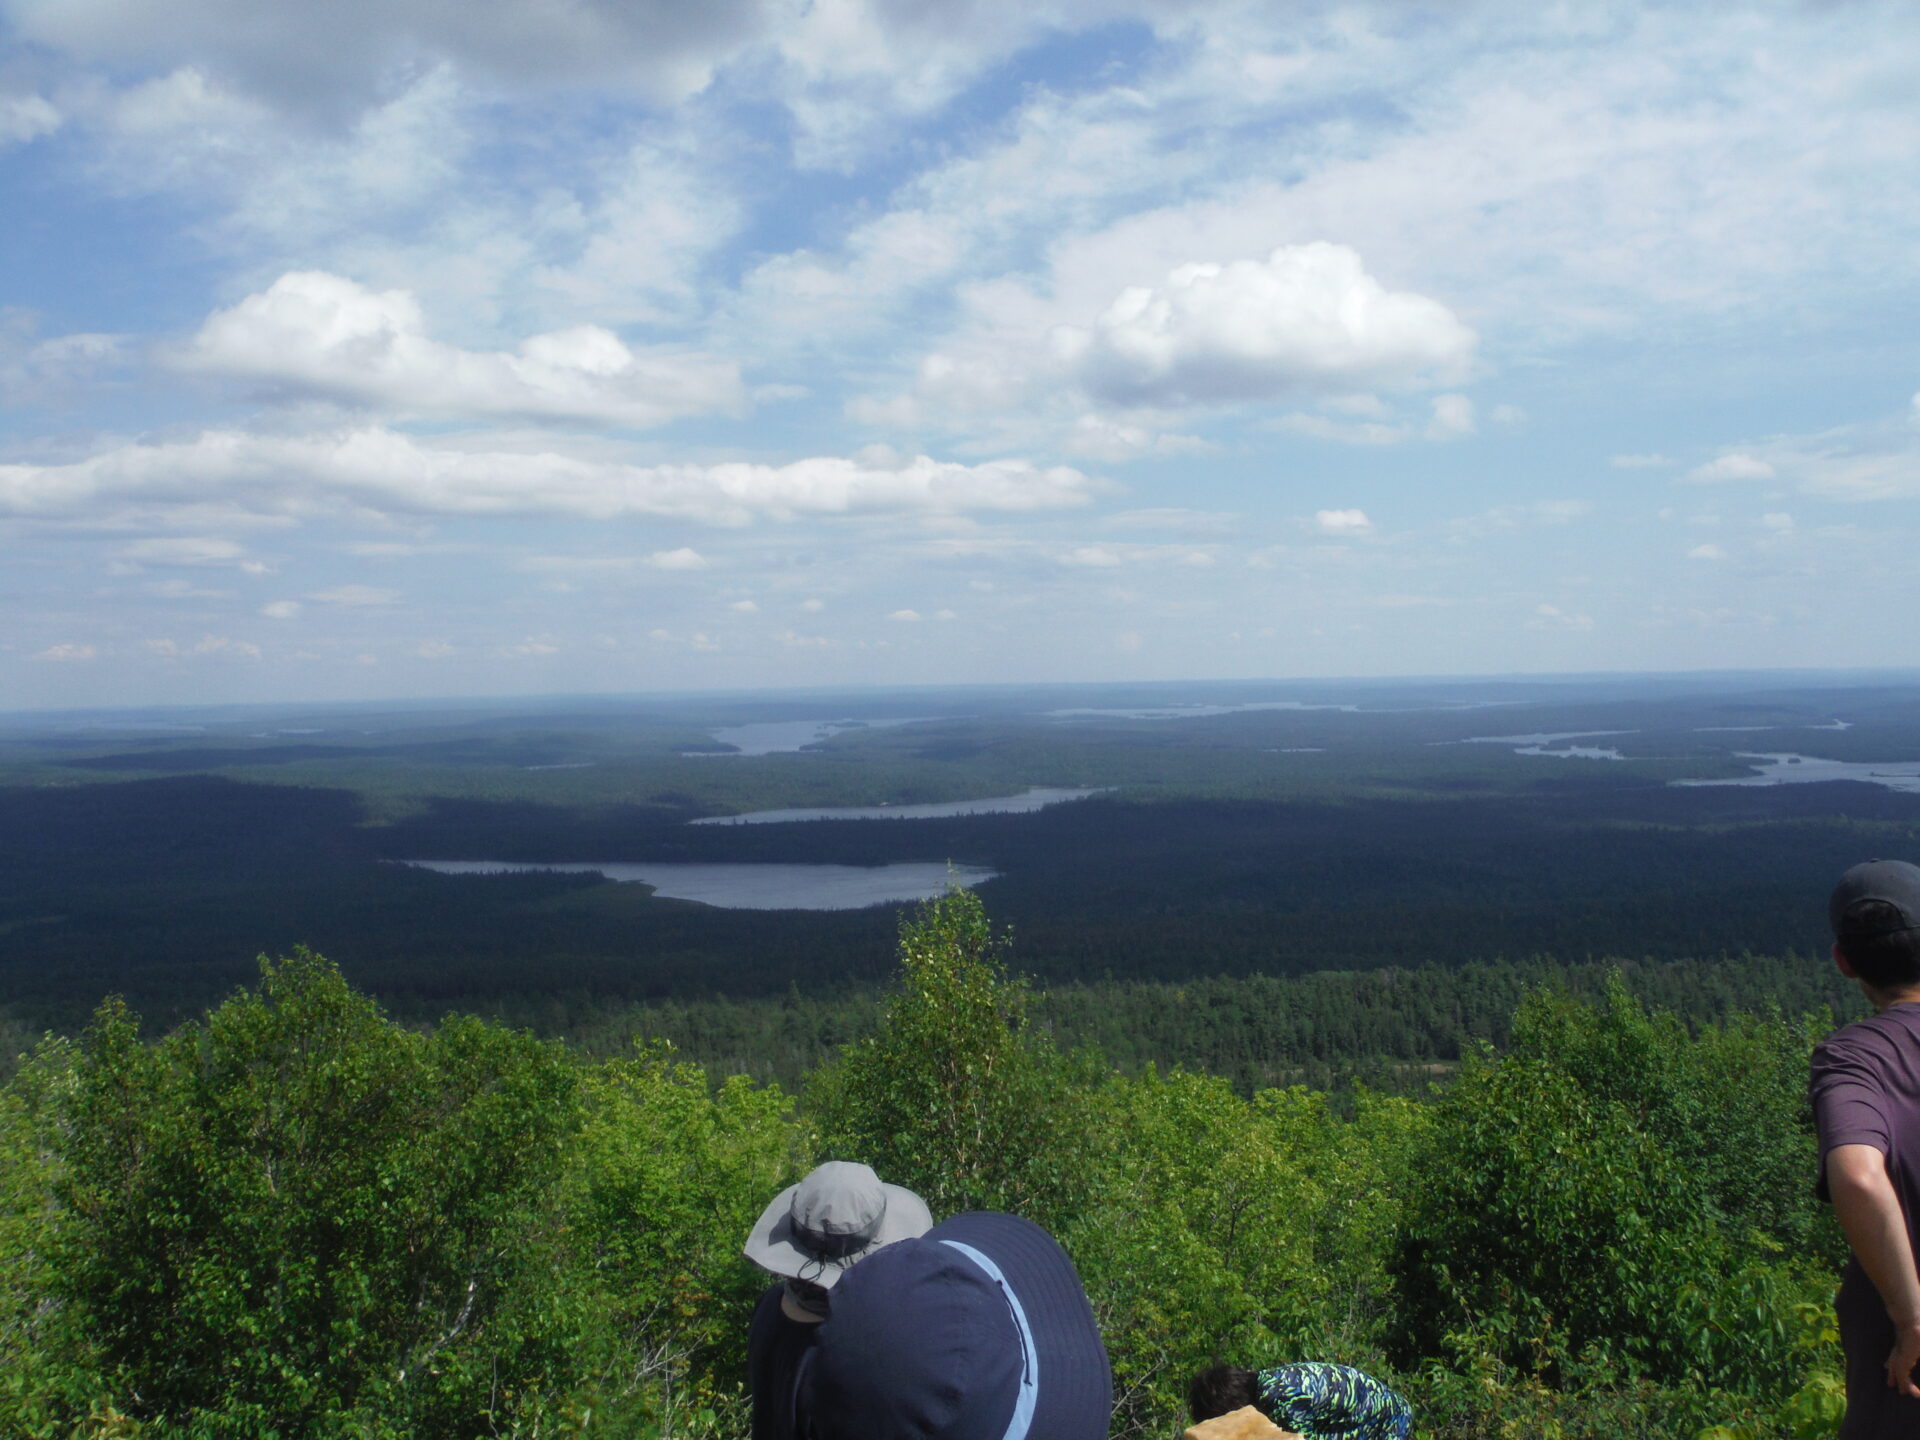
810 1235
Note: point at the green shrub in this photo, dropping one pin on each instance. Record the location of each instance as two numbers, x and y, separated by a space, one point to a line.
300 1219
49 1367
1580 1217
663 1181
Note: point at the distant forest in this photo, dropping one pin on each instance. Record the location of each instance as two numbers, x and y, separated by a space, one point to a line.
1393 1031
167 889
1254 845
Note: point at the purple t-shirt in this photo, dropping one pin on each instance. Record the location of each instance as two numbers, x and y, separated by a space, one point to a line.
1866 1091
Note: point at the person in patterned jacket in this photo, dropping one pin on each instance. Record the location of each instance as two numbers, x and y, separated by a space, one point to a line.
1312 1398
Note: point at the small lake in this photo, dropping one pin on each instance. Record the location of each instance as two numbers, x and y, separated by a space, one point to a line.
1551 743
778 737
1035 799
754 887
1903 775
1195 712
1200 711
1756 729
1543 737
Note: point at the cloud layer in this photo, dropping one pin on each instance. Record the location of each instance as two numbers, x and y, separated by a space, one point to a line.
1107 337
385 472
327 58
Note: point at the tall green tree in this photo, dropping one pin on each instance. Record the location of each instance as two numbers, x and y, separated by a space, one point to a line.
956 1096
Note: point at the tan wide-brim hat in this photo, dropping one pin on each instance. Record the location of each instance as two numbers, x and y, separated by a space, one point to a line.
1246 1423
842 1211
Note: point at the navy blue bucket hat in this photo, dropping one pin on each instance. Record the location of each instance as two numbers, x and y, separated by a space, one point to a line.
978 1330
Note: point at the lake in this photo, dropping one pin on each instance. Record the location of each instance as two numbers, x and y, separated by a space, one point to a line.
1755 729
1037 798
754 887
1902 775
776 737
1195 712
1552 743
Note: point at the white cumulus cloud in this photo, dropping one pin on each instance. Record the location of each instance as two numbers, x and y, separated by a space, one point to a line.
1877 459
26 117
170 649
67 651
685 558
1452 417
1736 466
1114 377
354 595
312 333
1097 557
1307 318
190 550
1343 522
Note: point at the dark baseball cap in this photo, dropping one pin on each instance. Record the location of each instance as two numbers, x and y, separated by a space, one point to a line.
977 1330
1879 897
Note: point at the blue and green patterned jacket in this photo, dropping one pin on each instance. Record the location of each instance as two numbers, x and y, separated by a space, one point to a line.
1332 1402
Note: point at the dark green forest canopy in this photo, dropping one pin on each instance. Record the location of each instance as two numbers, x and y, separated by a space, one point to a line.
166 888
1392 1030
1280 842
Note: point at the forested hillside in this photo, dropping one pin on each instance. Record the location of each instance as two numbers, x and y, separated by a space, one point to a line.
297 1217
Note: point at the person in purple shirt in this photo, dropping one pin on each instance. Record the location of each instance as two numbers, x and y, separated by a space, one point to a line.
1865 1087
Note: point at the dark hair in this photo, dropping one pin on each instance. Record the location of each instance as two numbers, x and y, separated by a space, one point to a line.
1221 1390
1889 960
812 1298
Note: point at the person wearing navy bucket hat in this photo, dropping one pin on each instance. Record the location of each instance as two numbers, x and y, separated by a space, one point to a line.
978 1330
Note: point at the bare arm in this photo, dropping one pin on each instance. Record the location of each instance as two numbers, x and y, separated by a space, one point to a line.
1869 1212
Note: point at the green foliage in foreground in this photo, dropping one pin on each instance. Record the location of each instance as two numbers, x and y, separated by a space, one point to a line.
301 1219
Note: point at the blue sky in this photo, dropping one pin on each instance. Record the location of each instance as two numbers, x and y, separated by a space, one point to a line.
413 349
